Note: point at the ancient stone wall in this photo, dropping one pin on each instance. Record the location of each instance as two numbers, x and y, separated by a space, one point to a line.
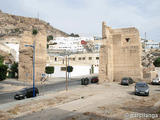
120 56
26 56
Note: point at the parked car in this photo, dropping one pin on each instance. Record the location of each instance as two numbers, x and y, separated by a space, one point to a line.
94 80
141 88
155 81
127 81
84 81
26 93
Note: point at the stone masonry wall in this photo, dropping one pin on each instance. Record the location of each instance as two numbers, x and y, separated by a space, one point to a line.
120 56
26 56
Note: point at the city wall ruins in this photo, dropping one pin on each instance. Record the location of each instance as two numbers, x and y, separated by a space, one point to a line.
120 54
26 56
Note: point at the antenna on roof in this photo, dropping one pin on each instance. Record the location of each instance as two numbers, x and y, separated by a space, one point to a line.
38 14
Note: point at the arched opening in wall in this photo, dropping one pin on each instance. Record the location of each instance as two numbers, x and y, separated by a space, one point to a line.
55 59
127 39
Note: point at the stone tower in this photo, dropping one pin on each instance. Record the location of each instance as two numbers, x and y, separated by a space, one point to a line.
120 54
26 56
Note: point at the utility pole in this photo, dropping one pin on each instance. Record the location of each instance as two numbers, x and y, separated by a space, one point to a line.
68 65
66 75
145 41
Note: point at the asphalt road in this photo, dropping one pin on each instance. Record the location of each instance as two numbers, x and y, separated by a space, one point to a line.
54 87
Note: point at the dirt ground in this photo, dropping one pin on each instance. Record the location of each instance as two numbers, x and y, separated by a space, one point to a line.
109 101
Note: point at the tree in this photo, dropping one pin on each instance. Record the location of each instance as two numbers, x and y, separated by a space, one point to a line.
3 72
49 69
157 62
47 46
69 68
3 69
14 70
1 59
74 35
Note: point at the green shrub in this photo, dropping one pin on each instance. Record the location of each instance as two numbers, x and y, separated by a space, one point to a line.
50 37
16 30
49 69
3 72
157 62
34 31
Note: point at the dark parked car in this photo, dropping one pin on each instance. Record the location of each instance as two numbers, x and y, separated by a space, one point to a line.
84 81
127 81
26 93
141 88
94 80
155 81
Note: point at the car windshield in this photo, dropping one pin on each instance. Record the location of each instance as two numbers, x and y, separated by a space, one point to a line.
141 84
23 90
125 79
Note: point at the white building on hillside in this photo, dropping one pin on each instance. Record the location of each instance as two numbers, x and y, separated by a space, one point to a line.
74 44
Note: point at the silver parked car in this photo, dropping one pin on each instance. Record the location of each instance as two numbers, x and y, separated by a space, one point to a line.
141 88
155 81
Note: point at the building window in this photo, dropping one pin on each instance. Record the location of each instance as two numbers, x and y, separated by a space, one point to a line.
83 58
79 58
63 68
127 39
97 58
55 59
90 58
73 59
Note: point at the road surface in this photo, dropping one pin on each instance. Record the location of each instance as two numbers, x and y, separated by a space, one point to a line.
54 87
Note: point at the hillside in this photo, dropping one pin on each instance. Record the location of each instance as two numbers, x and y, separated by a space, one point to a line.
14 26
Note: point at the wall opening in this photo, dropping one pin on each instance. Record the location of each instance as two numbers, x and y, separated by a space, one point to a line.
127 39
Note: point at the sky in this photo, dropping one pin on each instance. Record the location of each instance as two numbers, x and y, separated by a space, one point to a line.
85 17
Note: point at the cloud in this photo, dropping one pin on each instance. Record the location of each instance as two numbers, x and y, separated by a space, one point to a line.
85 16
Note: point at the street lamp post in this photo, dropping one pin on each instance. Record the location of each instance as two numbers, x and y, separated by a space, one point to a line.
33 46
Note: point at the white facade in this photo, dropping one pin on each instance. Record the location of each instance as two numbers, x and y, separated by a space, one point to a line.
77 71
83 64
148 44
